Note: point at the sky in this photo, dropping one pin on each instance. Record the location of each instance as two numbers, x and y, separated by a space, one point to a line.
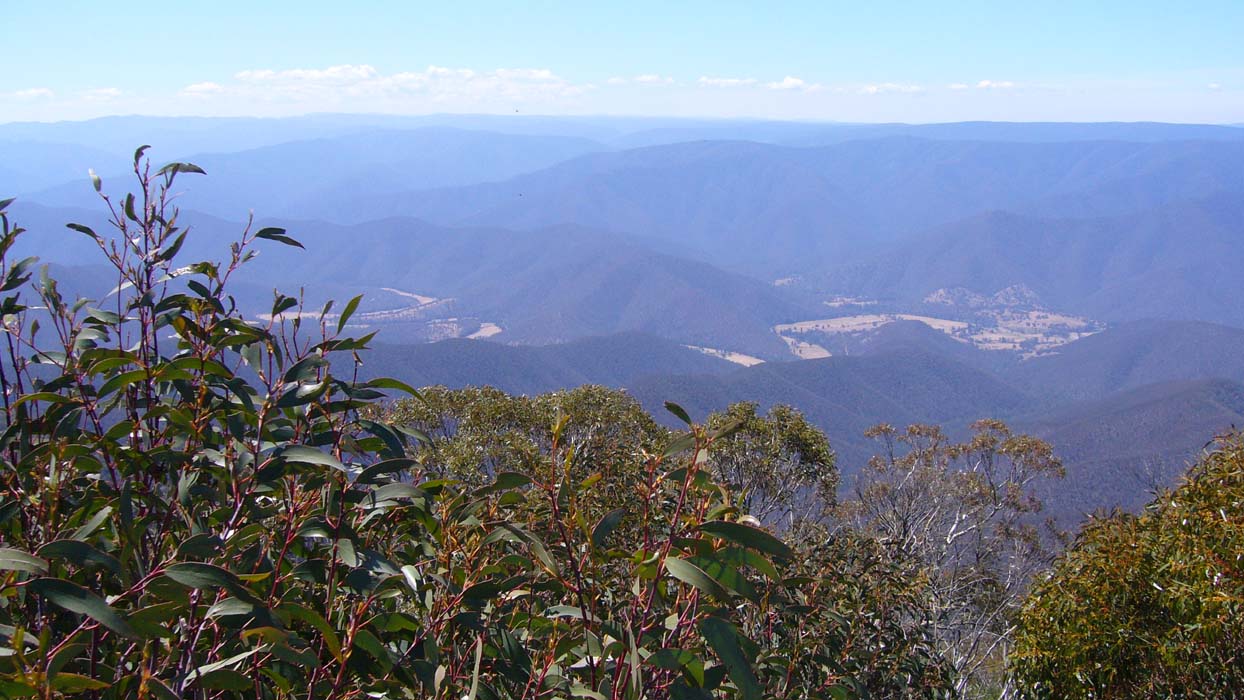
822 60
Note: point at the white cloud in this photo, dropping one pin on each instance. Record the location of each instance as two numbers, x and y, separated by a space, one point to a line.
334 74
356 85
514 73
792 83
645 79
725 82
1215 86
101 94
787 83
995 84
883 88
206 89
39 93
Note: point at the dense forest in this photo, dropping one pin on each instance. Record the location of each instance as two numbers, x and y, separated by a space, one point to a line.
200 504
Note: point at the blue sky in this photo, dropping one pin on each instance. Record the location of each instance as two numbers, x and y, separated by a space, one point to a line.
846 61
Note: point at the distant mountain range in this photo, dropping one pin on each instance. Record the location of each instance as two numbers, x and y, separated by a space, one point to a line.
1080 280
773 211
1181 260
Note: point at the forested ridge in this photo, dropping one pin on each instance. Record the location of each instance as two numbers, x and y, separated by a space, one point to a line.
202 504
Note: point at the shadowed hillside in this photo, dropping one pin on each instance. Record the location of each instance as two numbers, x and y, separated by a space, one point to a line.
617 360
1179 261
723 198
1120 449
1132 355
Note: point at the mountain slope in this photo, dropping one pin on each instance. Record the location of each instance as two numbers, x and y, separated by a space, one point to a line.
32 166
292 178
847 395
539 286
1177 261
616 360
1133 355
1119 448
550 285
768 209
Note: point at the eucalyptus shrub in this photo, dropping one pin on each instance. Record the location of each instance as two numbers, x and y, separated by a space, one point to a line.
871 607
1148 605
195 506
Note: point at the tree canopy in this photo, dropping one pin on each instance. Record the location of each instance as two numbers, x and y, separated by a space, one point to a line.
1148 605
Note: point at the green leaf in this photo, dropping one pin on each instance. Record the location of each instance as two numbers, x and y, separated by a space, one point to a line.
86 230
728 429
225 679
202 671
681 691
171 251
152 621
76 683
393 491
691 574
193 574
230 606
724 640
741 556
388 466
122 380
161 690
608 523
394 445
301 454
728 576
672 659
17 560
80 553
681 443
48 396
175 168
346 313
388 383
748 536
282 304
368 642
311 617
571 611
678 411
92 525
77 599
278 235
305 369
679 659
17 689
510 480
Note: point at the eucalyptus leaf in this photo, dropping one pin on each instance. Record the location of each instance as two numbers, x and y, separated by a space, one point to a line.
77 599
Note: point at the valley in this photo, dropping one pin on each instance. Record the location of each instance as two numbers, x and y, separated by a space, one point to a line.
895 273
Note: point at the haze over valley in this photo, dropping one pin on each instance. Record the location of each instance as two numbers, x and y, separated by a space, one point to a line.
1079 280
